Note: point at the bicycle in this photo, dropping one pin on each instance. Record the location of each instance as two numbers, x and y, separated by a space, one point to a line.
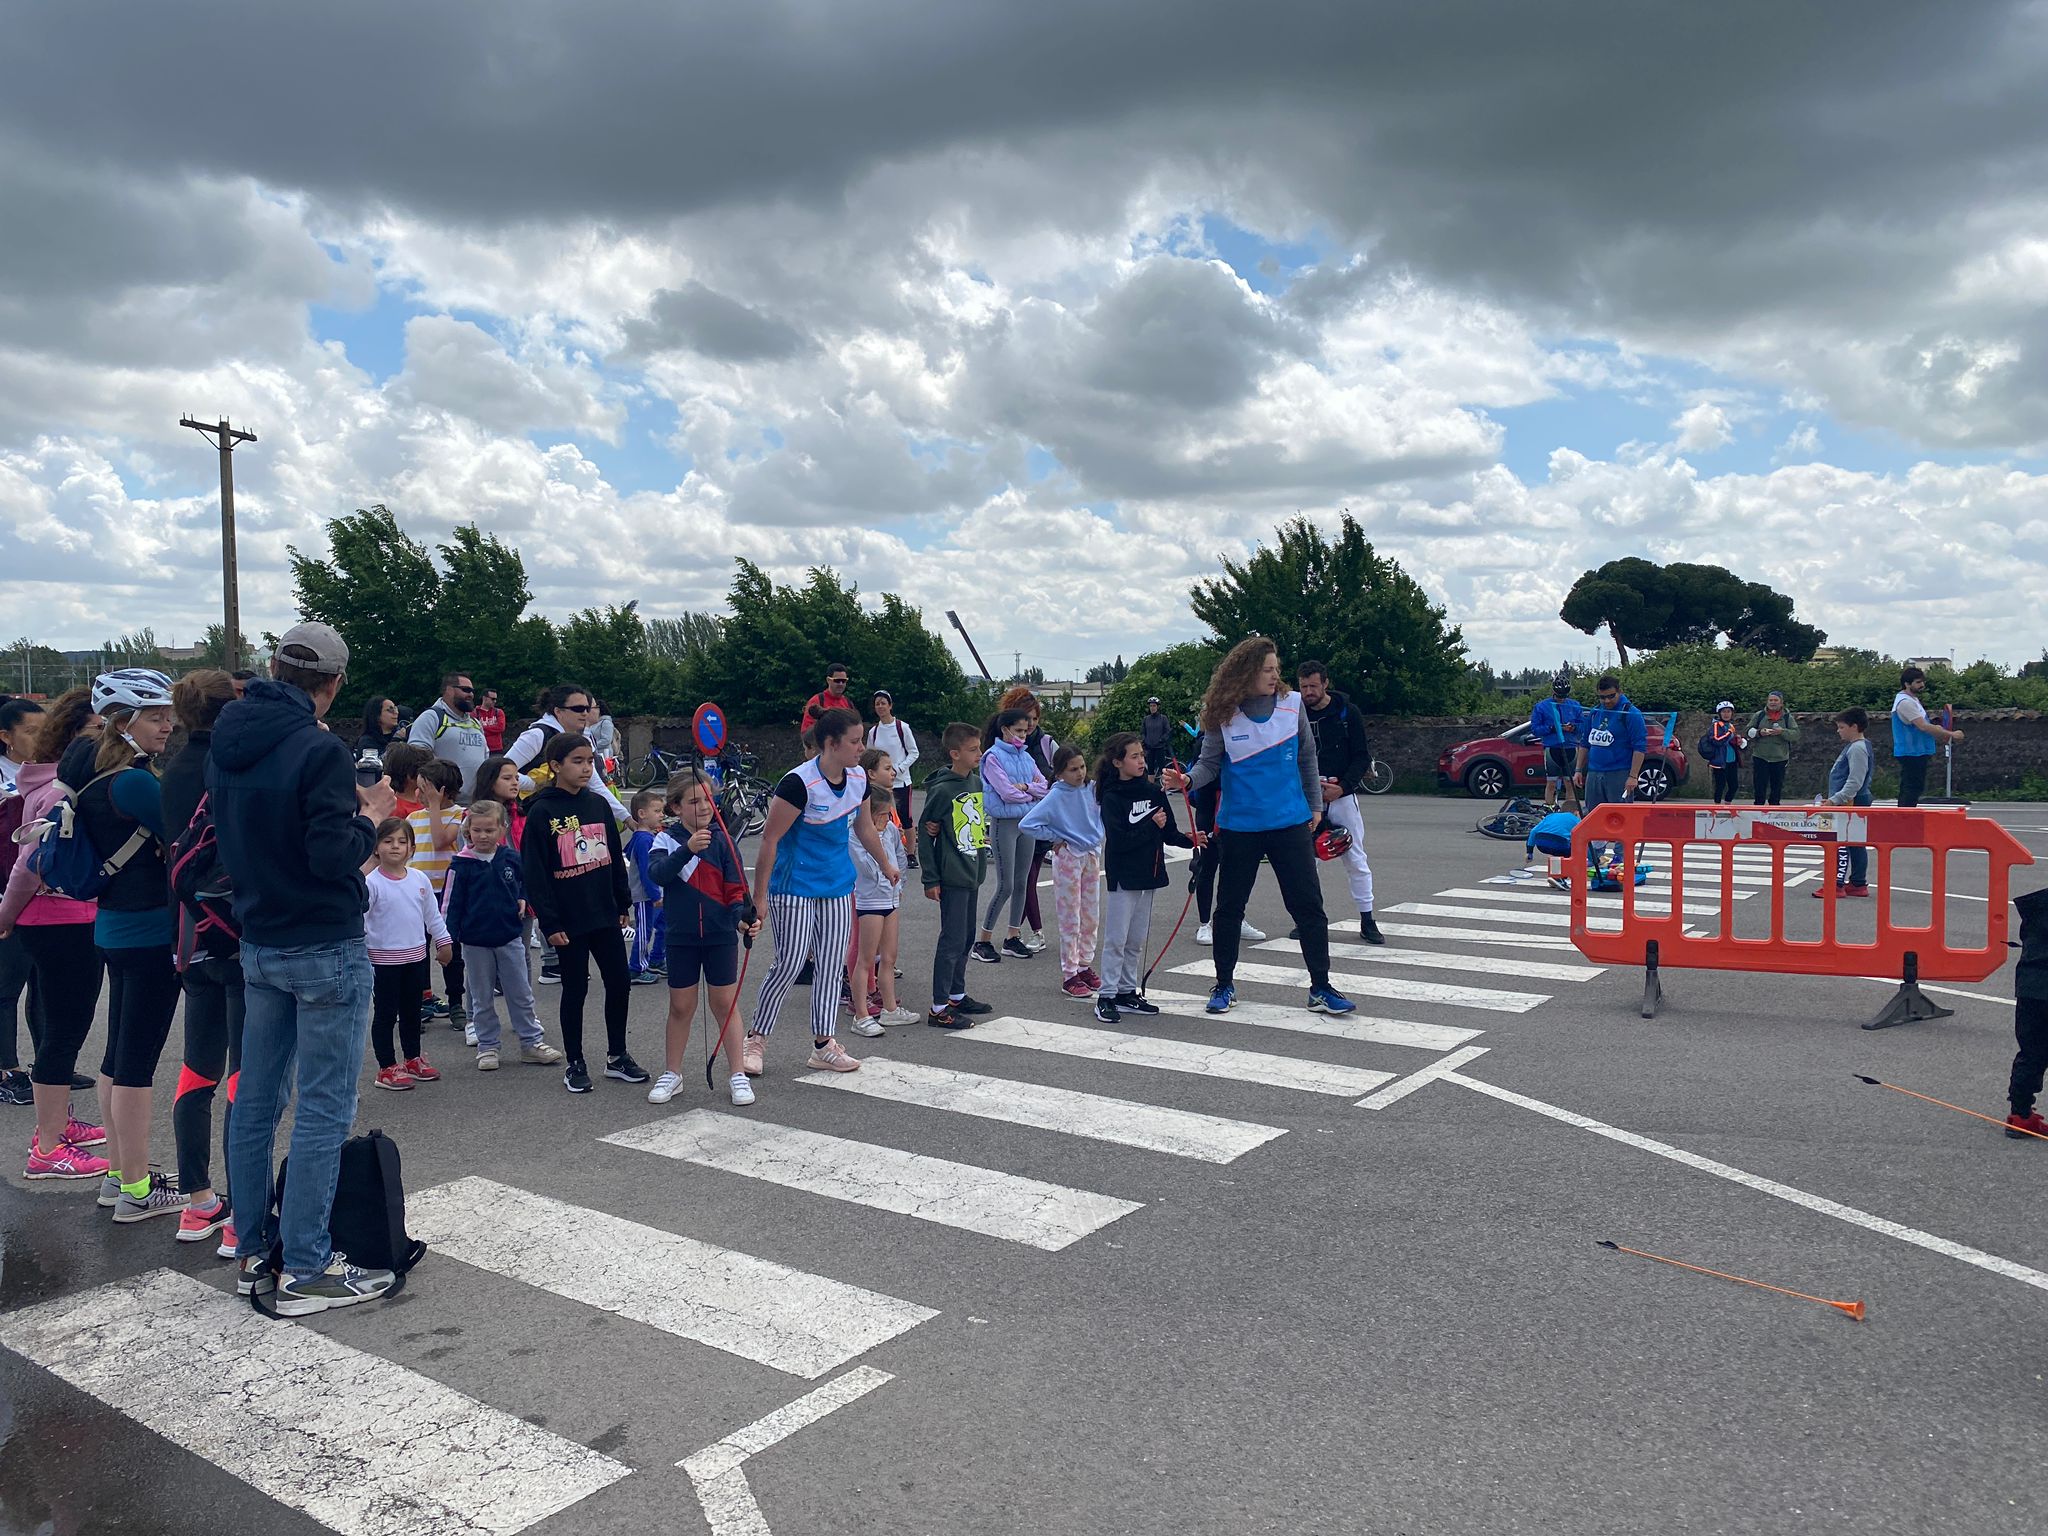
1378 779
1514 821
743 798
655 768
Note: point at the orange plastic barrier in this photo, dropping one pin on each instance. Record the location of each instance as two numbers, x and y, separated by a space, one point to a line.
1911 952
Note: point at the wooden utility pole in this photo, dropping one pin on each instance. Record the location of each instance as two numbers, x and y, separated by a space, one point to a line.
225 438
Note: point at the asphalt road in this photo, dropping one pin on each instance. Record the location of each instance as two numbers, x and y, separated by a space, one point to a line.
1389 1320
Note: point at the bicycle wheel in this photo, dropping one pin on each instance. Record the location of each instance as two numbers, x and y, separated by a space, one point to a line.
1379 780
1513 822
641 774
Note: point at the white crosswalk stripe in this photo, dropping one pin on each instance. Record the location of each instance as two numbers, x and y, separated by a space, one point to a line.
1531 919
1452 934
1547 897
1176 1056
949 1194
1429 959
796 1322
1402 988
363 1446
1350 1026
1178 1132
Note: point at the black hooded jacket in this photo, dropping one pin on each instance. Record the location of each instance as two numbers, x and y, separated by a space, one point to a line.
284 810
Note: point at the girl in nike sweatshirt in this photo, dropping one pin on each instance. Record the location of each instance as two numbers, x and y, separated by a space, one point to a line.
1137 825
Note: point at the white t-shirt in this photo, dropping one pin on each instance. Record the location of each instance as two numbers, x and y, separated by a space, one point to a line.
1908 709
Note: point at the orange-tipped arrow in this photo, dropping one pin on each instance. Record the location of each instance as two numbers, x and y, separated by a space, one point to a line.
1853 1309
2004 1125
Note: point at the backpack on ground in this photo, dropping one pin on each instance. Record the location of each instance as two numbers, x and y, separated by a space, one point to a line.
63 856
204 894
368 1219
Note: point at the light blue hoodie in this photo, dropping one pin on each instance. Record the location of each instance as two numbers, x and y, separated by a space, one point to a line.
1068 814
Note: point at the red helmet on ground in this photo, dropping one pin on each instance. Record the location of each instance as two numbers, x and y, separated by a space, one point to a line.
1332 843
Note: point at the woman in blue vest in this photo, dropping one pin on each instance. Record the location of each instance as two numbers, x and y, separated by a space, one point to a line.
1258 748
803 880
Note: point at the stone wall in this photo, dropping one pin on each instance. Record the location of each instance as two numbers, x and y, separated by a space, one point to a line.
2001 748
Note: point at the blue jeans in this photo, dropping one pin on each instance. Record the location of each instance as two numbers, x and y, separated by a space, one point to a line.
310 1006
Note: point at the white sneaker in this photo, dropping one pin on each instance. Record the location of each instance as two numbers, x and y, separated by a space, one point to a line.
1204 935
469 1034
665 1087
742 1091
1034 942
867 1025
897 1016
1250 935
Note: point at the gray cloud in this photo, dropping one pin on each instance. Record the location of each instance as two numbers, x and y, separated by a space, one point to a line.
695 318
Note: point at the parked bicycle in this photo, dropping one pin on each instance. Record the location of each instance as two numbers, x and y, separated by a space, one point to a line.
657 767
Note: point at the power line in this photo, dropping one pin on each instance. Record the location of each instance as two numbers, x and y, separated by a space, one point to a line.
226 439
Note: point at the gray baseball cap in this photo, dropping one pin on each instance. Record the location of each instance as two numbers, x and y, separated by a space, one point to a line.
329 652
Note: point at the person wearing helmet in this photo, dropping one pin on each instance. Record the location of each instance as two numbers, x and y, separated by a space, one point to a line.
1558 723
1155 731
121 810
1721 750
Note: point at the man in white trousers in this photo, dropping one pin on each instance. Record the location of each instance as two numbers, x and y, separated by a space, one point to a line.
1343 759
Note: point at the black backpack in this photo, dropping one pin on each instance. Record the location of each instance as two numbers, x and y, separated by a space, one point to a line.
203 893
368 1220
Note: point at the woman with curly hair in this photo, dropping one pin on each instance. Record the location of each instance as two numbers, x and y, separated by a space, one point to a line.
1259 750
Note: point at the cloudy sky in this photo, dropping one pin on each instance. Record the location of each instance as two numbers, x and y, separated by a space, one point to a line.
1032 310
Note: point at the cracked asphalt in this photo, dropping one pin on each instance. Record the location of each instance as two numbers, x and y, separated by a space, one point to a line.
1386 1321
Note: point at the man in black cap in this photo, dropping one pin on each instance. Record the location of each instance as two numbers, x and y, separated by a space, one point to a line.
1154 732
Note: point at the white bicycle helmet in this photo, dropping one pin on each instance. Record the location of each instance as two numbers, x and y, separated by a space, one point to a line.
130 688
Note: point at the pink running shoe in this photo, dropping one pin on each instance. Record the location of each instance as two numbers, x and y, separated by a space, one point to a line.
421 1070
196 1225
80 1134
66 1162
226 1250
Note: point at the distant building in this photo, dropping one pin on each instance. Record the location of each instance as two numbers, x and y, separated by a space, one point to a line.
1825 655
1929 663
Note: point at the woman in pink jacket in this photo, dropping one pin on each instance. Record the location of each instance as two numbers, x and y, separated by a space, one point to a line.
58 933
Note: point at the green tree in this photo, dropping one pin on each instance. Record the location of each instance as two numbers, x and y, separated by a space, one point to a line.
137 650
1385 643
1178 675
1107 672
1645 607
213 650
607 653
379 590
686 640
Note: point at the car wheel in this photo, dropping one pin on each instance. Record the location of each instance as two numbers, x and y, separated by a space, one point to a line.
1486 779
1654 783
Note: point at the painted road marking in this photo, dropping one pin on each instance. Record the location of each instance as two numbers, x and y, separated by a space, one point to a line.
716 1471
363 1446
1176 1056
1430 959
1595 903
1826 1207
1018 1210
1350 1026
1503 915
1394 1092
1403 988
1177 1132
801 1323
1394 929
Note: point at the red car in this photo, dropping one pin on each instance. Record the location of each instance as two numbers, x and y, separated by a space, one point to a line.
1512 764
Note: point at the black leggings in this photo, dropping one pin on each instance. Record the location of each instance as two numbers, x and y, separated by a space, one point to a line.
17 975
1725 777
607 946
2030 1028
68 974
213 1050
1292 853
395 996
142 999
1913 778
1203 869
451 979
1770 782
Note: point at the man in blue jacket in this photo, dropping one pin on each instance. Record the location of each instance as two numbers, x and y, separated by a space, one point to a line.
294 831
1611 756
1556 722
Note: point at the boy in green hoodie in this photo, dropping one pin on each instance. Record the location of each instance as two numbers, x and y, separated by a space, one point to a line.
952 849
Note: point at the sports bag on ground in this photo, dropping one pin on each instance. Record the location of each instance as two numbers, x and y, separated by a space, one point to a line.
368 1219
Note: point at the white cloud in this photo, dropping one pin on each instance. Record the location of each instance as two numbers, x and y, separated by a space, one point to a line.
1702 428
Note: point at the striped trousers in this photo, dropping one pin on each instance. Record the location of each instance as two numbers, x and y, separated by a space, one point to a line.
817 929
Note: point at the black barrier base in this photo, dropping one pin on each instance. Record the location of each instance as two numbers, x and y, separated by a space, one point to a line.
1909 1004
1653 988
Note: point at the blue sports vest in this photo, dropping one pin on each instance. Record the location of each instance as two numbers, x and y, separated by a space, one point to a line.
814 859
1262 771
1907 742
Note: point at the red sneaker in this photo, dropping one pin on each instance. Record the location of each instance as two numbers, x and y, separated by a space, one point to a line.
397 1079
1853 890
419 1067
2017 1126
1076 985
